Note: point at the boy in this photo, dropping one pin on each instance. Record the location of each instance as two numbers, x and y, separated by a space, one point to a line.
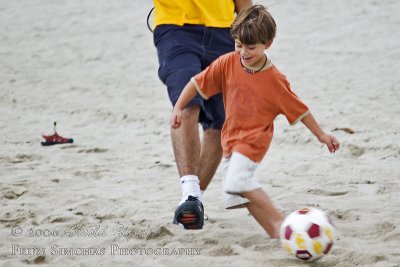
254 94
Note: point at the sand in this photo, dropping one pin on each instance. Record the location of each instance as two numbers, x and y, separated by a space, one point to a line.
92 67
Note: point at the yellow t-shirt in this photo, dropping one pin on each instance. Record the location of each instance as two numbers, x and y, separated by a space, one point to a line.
209 13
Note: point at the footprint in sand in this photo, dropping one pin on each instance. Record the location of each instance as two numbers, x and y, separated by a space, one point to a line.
367 258
37 260
11 219
222 251
344 215
393 237
93 150
326 193
356 151
137 232
383 228
210 241
12 193
20 158
104 217
161 165
58 219
252 241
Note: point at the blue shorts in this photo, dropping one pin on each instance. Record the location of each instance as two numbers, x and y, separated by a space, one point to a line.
183 52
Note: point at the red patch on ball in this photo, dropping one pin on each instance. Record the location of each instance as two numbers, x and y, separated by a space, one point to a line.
304 211
313 231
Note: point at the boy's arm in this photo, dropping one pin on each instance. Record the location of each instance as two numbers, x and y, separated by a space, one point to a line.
187 94
324 138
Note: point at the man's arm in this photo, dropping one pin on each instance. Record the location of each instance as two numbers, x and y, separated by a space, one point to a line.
242 4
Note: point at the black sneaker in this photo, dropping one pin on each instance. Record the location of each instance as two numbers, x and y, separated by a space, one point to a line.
190 214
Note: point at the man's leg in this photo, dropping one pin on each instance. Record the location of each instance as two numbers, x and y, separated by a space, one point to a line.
193 158
210 156
186 142
179 53
186 145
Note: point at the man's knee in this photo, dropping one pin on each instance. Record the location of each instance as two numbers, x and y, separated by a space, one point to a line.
191 113
213 136
211 132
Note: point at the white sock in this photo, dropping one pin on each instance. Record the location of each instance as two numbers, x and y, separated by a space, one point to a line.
190 187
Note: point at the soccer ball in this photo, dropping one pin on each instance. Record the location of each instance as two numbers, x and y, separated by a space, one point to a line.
307 234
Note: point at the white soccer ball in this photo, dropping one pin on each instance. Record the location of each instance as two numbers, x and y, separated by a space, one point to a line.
307 234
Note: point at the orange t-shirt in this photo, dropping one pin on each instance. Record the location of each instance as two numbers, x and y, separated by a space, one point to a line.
251 101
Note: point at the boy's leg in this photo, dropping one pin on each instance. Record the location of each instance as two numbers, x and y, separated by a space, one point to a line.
240 181
263 210
231 201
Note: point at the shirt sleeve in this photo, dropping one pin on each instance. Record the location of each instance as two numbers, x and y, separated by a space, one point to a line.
209 82
291 105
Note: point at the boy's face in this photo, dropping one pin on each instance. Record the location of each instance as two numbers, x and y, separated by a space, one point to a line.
251 55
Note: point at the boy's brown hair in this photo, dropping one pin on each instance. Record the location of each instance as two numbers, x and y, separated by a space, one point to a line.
254 25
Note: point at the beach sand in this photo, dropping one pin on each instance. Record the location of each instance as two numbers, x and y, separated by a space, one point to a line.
92 67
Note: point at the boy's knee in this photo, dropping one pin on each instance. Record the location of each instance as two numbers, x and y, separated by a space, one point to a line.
240 175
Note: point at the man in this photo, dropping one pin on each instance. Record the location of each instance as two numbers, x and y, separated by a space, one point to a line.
189 35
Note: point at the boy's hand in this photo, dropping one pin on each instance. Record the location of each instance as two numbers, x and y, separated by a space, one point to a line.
176 118
330 141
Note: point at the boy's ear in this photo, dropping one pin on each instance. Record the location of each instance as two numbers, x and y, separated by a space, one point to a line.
268 44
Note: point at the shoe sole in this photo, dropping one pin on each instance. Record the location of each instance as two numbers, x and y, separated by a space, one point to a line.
190 215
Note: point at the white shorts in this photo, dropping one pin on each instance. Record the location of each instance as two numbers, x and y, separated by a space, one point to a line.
237 177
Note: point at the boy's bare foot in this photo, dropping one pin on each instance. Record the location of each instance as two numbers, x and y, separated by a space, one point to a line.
277 228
